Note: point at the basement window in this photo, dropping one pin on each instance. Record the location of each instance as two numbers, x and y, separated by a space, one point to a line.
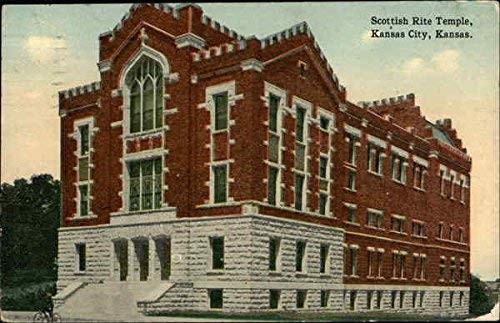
81 260
274 298
216 298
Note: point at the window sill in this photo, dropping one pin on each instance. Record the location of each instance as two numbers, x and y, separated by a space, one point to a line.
451 241
216 132
352 276
349 190
419 237
79 273
275 273
419 189
374 228
398 182
399 232
351 166
300 274
216 205
144 134
325 275
375 174
352 223
84 217
215 272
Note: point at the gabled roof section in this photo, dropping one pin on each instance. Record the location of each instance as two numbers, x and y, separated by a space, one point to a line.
174 12
298 29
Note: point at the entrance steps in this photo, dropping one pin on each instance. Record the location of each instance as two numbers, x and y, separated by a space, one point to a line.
111 301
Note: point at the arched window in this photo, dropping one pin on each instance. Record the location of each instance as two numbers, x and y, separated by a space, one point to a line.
145 81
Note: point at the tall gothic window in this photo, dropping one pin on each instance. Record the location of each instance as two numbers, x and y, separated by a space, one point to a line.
145 81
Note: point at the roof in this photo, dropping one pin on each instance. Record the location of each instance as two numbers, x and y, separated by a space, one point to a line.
441 135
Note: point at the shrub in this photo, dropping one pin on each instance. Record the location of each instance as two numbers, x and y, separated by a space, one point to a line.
481 301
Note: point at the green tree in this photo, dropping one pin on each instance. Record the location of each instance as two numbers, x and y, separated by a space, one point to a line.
29 217
481 301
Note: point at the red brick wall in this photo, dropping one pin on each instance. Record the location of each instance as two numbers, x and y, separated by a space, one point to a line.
188 136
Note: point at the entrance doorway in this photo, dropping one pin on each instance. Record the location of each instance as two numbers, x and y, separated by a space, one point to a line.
121 254
163 250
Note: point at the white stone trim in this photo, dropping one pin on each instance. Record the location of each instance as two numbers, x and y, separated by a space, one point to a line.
405 287
376 211
376 141
189 39
399 151
420 161
352 130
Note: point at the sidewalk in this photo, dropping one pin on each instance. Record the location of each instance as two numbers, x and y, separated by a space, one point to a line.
18 316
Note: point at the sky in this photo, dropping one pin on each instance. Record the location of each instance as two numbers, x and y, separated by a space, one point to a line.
48 48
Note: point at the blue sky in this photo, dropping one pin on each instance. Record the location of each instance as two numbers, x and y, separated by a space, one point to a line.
50 48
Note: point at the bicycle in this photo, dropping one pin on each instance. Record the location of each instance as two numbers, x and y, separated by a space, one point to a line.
46 316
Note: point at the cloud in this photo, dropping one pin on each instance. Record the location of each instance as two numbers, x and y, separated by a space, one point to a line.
446 61
367 37
415 66
43 49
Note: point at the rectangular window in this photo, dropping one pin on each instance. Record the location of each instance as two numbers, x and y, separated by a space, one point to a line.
274 249
323 162
398 224
375 159
442 266
220 183
462 270
452 182
323 263
394 295
451 232
422 298
299 130
418 229
81 259
369 299
84 140
301 298
299 194
351 213
441 181
217 248
272 185
354 295
274 148
451 298
380 255
146 183
323 200
461 300
84 199
380 294
398 168
414 299
418 176
352 149
216 298
300 250
453 269
325 296
441 231
352 180
274 102
461 235
274 298
441 297
221 111
354 261
324 123
374 219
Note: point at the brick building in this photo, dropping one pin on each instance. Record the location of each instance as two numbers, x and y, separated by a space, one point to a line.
215 171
